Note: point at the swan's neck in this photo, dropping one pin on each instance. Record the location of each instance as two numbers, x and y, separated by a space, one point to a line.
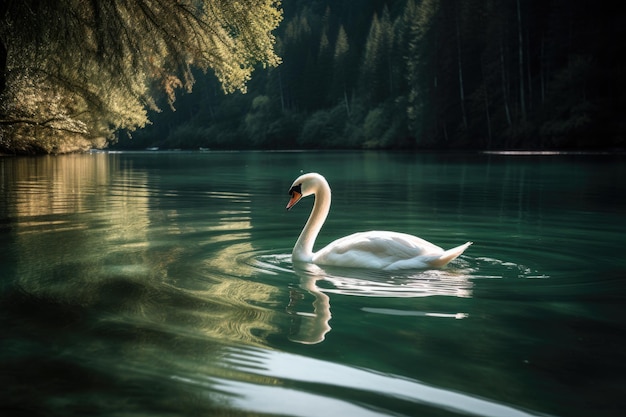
303 249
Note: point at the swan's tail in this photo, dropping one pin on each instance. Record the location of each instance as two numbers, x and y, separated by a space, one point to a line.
449 255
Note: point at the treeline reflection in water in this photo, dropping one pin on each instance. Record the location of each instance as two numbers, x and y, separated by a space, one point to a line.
93 232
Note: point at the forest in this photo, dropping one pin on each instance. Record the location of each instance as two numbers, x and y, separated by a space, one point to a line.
430 74
414 74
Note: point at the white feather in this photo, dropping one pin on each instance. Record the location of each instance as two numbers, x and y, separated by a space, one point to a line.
373 249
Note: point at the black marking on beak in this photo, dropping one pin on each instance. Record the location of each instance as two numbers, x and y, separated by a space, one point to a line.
296 188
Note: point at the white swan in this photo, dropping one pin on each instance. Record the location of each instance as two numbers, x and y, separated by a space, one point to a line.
374 249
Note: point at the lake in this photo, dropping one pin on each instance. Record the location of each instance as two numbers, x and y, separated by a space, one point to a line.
161 284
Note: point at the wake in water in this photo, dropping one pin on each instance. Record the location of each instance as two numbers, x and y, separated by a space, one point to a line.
453 282
495 268
310 327
322 282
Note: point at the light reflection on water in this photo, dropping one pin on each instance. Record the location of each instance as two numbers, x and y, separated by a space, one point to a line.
287 374
162 284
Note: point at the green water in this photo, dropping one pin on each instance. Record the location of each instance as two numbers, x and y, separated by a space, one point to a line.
161 284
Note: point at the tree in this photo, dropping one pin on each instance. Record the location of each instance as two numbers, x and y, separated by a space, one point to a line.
376 72
297 39
421 64
341 68
82 70
520 38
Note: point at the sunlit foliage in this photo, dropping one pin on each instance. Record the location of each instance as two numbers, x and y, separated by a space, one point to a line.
78 71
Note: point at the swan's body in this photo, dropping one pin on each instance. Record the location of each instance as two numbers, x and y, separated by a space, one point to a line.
374 249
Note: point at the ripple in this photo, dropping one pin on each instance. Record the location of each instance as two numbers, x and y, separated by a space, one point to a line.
457 280
368 283
281 383
272 264
395 312
417 284
485 267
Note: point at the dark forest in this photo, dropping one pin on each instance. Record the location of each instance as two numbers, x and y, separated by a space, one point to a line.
407 74
470 74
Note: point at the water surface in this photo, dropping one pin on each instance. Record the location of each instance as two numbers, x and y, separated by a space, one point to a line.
162 284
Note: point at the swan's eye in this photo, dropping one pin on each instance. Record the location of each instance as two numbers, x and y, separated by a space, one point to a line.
296 188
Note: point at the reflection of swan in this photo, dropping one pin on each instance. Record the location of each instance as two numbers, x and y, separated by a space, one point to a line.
312 328
374 249
382 284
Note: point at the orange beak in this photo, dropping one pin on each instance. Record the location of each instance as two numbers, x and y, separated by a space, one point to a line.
295 197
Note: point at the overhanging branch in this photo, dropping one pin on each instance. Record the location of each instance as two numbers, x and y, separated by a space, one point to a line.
41 123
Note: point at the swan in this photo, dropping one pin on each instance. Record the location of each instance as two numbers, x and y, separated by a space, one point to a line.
374 249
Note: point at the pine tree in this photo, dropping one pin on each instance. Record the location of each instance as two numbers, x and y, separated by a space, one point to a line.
421 64
341 72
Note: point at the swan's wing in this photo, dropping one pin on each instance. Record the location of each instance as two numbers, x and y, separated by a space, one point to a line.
376 249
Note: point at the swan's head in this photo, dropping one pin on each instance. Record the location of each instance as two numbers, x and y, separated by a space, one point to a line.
305 185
